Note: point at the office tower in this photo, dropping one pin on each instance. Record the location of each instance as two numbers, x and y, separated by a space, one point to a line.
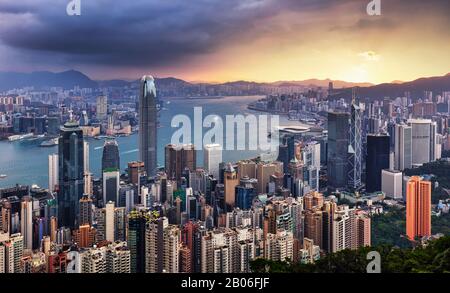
147 124
136 240
110 157
418 208
85 210
212 158
111 182
191 204
391 183
71 170
403 147
231 180
279 246
363 228
423 140
338 129
355 148
120 224
129 200
26 222
377 160
134 171
102 107
245 193
246 169
178 158
263 173
162 247
52 172
295 169
86 157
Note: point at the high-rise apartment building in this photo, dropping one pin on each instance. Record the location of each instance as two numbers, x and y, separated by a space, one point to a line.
418 208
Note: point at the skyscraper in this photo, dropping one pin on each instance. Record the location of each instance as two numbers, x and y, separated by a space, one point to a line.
178 158
355 148
377 160
423 140
418 208
136 240
403 147
110 157
147 124
86 157
26 222
231 180
338 128
52 172
111 182
102 107
212 158
71 169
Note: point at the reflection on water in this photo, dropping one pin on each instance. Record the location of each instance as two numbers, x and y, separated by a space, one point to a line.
26 163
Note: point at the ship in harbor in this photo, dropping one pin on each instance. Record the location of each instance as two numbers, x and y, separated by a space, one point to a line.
49 143
3 176
20 136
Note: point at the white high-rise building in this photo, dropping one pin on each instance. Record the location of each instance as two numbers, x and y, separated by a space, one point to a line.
403 147
86 156
53 170
109 221
279 246
212 158
26 222
391 183
423 140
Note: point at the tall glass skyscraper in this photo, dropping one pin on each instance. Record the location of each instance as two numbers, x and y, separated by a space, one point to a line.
355 148
147 124
377 160
71 169
338 128
110 157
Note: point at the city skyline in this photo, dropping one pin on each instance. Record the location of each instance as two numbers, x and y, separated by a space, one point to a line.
245 40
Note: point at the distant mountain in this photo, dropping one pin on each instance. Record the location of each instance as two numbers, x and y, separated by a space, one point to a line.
171 86
42 79
416 88
322 83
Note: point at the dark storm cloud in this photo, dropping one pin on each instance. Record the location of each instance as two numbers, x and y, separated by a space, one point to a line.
134 33
153 32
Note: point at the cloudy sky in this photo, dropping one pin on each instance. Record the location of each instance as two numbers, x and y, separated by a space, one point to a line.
223 40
